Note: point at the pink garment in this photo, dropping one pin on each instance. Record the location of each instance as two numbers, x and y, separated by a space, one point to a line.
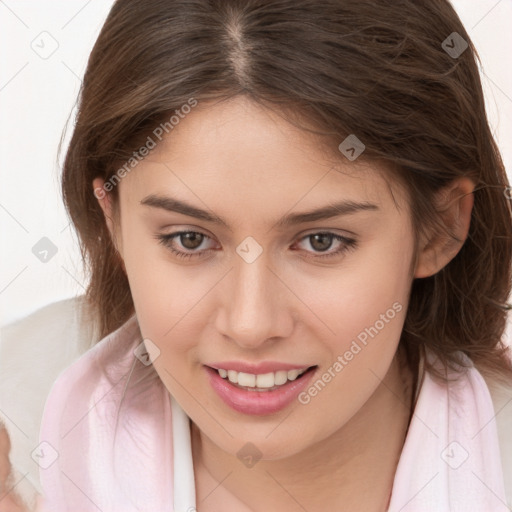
114 453
132 453
451 459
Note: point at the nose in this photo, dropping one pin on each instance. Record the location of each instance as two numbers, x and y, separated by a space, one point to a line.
256 306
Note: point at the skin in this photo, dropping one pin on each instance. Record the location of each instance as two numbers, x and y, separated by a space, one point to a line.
249 166
9 500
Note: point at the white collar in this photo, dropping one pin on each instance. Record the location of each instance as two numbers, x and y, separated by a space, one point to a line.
183 470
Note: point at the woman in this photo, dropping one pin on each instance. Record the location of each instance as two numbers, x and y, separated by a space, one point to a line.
299 240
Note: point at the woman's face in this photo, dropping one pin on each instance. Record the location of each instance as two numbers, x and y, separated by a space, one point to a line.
266 288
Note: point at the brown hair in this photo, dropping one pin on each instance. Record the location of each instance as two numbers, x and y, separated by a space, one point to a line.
373 68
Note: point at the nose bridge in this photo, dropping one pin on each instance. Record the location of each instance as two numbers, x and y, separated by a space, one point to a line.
254 307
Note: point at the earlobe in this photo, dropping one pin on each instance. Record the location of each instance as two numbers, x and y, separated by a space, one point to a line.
454 204
105 201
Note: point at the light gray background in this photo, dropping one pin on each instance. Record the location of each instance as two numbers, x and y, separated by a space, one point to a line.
38 92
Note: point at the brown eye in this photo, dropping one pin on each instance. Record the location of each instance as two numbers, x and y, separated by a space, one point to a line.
321 241
186 244
191 240
331 244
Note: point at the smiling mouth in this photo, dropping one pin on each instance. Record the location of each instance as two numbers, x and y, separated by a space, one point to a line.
262 382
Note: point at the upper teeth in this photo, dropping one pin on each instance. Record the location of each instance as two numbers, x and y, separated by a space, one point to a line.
265 380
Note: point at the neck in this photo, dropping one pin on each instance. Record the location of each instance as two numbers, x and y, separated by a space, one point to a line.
353 469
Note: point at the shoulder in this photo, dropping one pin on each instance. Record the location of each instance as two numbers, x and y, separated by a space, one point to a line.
33 351
61 386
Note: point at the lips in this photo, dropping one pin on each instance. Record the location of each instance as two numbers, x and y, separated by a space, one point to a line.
254 400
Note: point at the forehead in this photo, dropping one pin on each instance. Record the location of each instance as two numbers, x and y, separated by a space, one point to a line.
248 158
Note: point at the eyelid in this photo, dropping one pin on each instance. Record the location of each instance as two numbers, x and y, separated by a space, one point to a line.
310 231
333 231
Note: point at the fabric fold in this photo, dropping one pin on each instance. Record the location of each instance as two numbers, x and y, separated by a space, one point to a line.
106 437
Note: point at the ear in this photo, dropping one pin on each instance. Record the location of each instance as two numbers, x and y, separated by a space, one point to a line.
105 201
436 249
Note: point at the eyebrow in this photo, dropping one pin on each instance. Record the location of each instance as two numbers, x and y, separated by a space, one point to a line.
326 212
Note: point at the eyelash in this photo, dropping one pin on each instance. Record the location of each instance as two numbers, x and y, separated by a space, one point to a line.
166 241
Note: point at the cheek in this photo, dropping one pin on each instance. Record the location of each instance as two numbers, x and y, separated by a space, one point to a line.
167 297
364 305
369 290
